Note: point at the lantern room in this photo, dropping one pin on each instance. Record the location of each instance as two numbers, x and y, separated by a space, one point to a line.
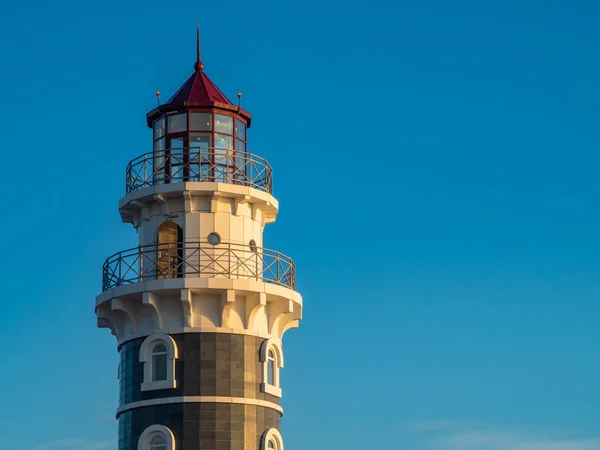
196 128
198 134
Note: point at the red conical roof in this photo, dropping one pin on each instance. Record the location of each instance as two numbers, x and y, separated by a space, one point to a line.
198 90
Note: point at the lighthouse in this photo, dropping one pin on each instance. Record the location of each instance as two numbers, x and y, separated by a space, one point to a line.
199 306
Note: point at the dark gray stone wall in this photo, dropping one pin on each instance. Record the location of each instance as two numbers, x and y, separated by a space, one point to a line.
206 426
209 364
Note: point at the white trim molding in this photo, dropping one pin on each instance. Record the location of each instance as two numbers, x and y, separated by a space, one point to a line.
146 349
200 399
273 435
267 347
153 431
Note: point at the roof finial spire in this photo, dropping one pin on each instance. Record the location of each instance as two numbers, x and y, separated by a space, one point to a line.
199 67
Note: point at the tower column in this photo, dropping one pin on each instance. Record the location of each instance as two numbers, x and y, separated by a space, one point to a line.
199 308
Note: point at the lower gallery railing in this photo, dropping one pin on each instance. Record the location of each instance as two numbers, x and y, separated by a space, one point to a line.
198 259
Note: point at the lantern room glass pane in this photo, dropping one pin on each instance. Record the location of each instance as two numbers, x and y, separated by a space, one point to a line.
222 158
200 157
159 128
222 141
240 129
198 140
242 162
240 146
155 167
201 121
176 159
223 124
176 143
159 146
177 123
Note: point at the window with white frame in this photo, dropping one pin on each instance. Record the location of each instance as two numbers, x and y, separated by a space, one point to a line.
158 353
157 437
159 363
158 443
271 440
271 357
271 362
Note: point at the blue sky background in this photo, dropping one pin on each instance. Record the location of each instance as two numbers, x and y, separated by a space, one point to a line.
437 168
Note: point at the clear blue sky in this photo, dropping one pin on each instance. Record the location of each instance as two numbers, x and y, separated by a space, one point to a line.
437 168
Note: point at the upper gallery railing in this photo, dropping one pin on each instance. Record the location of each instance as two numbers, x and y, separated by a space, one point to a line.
198 259
199 164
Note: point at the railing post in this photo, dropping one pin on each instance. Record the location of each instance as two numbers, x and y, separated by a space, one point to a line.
229 259
278 269
119 271
181 258
140 257
145 169
251 169
257 268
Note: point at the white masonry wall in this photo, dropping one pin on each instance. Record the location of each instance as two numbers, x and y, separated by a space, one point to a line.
234 222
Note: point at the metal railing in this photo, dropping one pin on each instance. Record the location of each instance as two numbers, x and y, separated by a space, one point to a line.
199 164
198 259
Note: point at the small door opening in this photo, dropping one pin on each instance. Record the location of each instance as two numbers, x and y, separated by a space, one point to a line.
170 250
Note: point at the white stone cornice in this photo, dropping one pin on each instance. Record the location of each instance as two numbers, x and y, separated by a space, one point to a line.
227 302
159 197
107 318
186 303
179 305
240 201
128 310
287 320
150 300
254 305
292 324
104 322
163 192
276 310
187 201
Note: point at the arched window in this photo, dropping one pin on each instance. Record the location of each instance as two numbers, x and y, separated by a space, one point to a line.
159 363
272 358
158 353
158 443
271 361
157 437
170 250
271 440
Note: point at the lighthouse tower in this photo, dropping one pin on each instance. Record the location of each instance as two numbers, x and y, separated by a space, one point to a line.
199 307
